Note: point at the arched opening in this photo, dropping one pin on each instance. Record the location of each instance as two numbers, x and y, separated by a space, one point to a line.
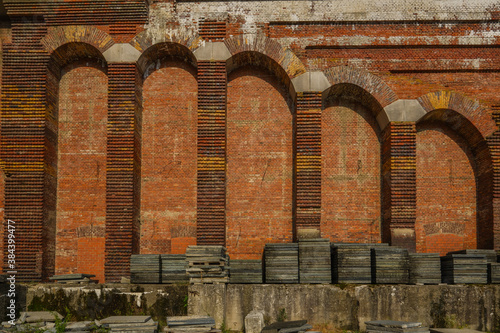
260 148
168 150
454 174
351 166
76 122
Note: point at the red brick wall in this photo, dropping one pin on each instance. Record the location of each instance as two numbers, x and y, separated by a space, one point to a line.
350 182
168 185
446 191
259 163
81 187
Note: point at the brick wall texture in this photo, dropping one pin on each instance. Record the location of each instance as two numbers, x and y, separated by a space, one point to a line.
148 126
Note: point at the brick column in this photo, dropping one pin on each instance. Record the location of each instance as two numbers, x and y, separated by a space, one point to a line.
123 169
308 161
211 194
23 153
494 146
399 184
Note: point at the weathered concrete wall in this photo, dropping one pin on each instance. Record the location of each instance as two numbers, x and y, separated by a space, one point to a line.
475 307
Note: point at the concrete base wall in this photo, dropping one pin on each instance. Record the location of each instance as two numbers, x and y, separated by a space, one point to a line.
454 306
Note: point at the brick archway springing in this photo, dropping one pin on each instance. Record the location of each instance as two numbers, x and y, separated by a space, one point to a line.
69 232
260 177
470 122
168 149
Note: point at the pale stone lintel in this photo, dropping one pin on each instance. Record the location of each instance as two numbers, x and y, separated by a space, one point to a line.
122 53
311 81
217 51
401 110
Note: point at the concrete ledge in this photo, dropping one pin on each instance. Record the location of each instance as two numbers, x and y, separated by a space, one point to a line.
349 306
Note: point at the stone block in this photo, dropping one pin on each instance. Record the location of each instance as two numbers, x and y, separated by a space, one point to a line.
254 322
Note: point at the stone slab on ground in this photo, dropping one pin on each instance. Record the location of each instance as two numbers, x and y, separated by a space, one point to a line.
38 316
452 330
80 326
125 319
393 323
176 321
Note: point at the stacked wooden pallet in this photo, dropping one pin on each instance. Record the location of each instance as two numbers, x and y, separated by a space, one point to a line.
491 259
351 262
390 265
173 268
494 273
245 271
392 326
145 268
315 263
464 268
191 324
425 268
281 263
207 264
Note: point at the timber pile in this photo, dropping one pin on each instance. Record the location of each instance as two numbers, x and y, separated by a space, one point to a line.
73 278
207 264
491 258
145 268
390 265
190 324
287 327
315 261
494 273
464 268
173 268
392 326
351 262
245 271
129 324
281 263
425 268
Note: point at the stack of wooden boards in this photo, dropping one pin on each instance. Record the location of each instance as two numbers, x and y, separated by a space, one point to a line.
392 326
207 264
245 271
155 268
464 268
476 270
390 264
145 268
281 263
173 268
351 263
425 268
191 324
315 262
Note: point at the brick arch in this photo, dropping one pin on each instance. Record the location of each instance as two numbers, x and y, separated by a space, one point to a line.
261 44
57 37
463 105
149 60
187 38
466 123
361 85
